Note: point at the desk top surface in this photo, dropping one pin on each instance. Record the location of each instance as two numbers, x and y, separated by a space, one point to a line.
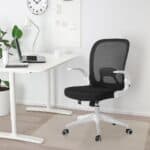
51 62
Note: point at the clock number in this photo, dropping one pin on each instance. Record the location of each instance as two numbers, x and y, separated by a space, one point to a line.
37 7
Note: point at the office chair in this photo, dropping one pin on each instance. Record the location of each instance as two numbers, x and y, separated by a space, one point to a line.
107 80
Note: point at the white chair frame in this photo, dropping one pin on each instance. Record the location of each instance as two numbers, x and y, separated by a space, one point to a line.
97 116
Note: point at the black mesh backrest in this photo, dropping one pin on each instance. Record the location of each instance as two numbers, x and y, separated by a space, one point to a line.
108 53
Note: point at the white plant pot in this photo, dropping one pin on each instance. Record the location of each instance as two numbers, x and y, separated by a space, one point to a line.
4 103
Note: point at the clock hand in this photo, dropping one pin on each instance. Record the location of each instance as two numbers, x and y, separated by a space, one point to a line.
37 1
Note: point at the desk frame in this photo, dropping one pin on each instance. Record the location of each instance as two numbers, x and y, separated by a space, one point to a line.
51 101
13 135
50 66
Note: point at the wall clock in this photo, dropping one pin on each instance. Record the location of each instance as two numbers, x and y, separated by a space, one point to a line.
37 7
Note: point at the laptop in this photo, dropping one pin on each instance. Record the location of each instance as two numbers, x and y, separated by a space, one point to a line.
29 58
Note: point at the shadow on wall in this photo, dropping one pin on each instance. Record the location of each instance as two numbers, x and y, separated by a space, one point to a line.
135 99
136 59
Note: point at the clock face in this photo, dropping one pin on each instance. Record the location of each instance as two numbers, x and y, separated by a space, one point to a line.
37 7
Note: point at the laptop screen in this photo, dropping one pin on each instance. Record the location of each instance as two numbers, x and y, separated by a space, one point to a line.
18 48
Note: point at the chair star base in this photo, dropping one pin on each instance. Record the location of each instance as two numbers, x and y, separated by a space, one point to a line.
96 117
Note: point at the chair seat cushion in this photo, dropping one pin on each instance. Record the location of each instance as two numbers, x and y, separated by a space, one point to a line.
89 93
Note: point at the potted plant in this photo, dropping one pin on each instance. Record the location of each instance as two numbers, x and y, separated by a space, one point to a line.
5 45
4 98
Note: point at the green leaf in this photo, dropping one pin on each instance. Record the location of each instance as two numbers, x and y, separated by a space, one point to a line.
16 32
13 44
6 43
1 52
6 83
2 33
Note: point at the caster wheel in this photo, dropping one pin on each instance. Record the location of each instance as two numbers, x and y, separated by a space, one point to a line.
65 132
113 124
98 138
129 131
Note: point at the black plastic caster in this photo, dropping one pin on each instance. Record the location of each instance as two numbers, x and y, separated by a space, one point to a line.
113 124
65 132
129 131
98 138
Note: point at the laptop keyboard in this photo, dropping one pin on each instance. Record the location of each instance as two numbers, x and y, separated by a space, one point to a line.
31 57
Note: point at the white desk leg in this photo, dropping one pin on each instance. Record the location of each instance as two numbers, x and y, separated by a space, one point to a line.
13 135
51 102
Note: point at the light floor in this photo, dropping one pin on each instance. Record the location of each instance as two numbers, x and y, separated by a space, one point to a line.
28 122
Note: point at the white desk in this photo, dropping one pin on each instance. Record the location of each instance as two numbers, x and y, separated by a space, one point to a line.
51 63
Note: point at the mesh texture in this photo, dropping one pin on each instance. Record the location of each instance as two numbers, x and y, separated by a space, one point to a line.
111 53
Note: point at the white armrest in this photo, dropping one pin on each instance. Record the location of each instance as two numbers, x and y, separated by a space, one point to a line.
119 71
127 81
82 71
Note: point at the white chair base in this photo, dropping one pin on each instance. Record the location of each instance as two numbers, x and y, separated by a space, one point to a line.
96 117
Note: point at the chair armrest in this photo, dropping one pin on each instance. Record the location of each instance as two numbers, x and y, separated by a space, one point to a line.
81 70
127 81
109 71
112 72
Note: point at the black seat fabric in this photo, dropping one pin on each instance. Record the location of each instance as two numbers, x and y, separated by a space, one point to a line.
106 56
86 93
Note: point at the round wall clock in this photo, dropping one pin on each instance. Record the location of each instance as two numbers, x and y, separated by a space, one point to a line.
37 7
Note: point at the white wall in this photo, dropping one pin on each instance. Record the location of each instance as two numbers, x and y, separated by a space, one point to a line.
119 18
15 12
100 19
